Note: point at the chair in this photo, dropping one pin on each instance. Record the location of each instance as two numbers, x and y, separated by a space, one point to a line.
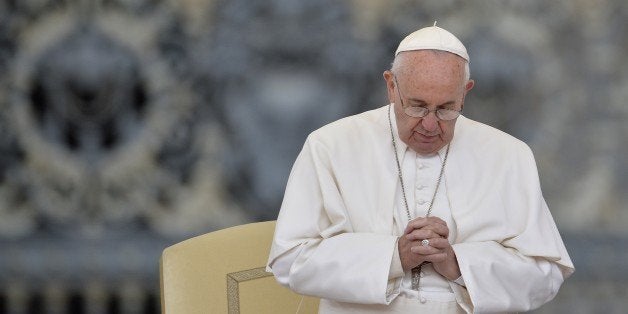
224 272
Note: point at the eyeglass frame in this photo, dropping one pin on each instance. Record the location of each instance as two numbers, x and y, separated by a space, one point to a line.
427 111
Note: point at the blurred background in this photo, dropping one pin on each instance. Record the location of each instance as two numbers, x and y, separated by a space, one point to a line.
129 125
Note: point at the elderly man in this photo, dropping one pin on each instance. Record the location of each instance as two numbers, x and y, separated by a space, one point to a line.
413 208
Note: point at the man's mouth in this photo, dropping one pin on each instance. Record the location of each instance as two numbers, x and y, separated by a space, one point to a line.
426 138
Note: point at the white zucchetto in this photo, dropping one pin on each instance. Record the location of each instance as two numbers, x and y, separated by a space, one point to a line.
433 38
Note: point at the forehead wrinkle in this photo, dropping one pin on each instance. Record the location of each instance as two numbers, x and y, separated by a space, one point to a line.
430 64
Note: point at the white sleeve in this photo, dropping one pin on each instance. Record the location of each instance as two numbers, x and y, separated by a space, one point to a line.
501 279
315 250
460 281
282 264
396 268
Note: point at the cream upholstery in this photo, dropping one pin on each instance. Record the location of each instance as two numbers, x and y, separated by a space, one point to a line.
223 272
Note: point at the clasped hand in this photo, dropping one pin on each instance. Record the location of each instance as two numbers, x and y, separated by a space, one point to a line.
439 252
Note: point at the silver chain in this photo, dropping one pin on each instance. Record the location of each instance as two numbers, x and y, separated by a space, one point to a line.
416 271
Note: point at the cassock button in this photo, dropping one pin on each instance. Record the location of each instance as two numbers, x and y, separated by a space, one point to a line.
421 187
422 166
421 202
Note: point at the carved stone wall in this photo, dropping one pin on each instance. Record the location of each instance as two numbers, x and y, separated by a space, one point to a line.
129 125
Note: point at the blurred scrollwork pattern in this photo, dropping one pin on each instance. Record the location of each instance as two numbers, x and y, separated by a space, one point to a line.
129 125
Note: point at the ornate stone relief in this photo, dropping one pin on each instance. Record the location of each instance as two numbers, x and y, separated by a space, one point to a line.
103 126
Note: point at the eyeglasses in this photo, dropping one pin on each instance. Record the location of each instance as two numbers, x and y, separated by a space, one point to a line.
420 112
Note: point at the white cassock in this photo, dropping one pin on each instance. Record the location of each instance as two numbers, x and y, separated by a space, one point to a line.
336 236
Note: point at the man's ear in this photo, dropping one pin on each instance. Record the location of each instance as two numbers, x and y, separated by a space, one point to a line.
390 85
467 88
469 85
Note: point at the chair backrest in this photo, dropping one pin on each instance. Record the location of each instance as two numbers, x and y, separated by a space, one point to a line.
224 272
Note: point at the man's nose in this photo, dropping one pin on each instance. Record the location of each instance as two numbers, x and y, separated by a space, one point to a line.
430 122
